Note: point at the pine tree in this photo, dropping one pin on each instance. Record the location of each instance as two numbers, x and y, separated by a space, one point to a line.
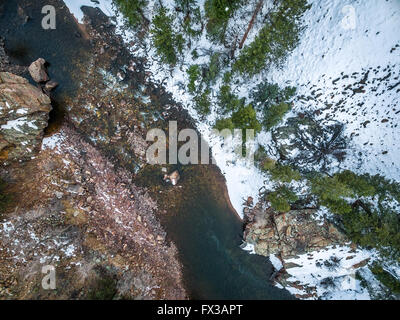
246 118
281 198
167 42
284 173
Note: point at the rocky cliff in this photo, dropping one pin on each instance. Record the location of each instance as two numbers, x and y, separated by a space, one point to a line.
289 234
24 113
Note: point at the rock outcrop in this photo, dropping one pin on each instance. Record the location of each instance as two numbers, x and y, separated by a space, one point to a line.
24 113
289 234
80 214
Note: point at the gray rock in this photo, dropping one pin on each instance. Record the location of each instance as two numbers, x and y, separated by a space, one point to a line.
291 233
173 177
24 113
37 71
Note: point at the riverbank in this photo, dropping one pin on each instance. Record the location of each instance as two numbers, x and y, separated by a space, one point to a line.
86 217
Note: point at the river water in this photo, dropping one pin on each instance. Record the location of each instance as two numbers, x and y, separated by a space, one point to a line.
204 227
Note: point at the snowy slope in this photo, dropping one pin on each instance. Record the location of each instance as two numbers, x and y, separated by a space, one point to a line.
347 66
356 67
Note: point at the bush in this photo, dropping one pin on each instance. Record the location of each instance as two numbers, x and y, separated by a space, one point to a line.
167 41
274 114
386 278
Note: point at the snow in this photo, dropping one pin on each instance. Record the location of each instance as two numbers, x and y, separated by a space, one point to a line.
276 262
344 50
20 111
18 123
74 7
7 227
339 41
312 272
249 248
52 141
69 251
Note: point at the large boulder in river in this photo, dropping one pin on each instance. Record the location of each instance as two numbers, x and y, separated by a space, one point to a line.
173 177
24 113
289 234
38 71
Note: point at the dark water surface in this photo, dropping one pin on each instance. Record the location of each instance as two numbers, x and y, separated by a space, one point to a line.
205 229
26 42
208 235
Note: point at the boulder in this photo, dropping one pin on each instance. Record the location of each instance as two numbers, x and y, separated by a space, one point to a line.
50 85
24 113
173 177
289 234
37 71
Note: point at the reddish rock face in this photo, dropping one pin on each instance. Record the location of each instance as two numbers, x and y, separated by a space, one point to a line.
93 219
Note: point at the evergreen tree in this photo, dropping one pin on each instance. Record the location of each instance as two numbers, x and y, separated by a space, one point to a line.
218 13
281 198
133 11
284 173
202 102
274 114
246 118
275 40
167 41
194 75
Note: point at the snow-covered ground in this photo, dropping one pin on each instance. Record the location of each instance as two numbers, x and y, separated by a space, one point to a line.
349 59
331 272
334 58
